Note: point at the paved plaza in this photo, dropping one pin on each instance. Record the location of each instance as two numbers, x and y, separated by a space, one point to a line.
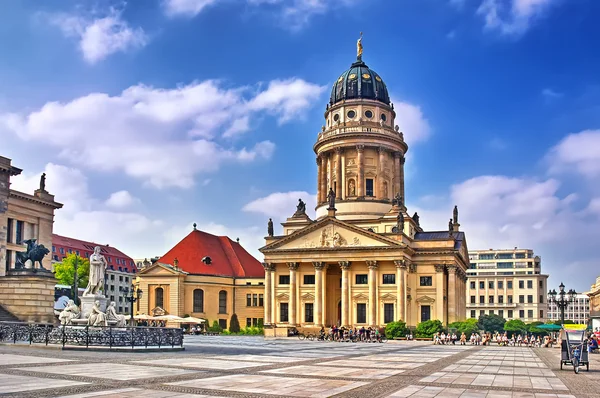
250 366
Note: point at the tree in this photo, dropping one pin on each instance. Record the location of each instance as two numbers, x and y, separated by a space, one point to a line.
234 324
428 328
566 322
215 328
533 328
65 270
491 323
467 327
515 326
396 329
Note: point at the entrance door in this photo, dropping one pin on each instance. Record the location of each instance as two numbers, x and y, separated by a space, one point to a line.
425 313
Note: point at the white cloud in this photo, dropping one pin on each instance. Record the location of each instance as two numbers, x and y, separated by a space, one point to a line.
411 121
512 17
551 94
239 126
161 136
281 205
121 199
189 8
578 152
100 37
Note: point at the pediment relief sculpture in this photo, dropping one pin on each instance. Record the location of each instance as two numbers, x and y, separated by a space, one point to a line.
351 162
359 298
388 297
283 296
307 297
425 300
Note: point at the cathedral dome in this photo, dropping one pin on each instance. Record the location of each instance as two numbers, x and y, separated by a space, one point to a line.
359 82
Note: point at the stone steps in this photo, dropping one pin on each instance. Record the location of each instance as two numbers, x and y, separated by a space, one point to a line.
7 316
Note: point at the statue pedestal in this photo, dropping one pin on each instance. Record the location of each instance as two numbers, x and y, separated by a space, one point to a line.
87 302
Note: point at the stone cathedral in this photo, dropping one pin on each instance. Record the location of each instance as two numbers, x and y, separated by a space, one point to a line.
364 261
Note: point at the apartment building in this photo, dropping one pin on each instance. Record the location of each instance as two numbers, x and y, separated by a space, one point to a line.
508 283
578 311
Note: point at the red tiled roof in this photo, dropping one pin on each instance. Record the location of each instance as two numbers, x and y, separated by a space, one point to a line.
228 258
84 246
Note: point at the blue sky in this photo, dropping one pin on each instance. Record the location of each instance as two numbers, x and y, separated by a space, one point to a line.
151 115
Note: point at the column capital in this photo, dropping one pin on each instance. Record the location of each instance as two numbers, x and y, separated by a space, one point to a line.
344 265
372 264
319 265
293 266
402 264
339 150
439 267
268 267
360 148
397 154
381 148
452 269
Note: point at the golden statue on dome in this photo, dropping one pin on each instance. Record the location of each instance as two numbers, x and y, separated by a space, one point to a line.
359 47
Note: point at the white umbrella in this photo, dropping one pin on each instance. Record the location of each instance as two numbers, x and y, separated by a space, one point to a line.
168 318
190 319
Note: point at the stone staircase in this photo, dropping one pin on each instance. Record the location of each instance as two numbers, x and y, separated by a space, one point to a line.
6 316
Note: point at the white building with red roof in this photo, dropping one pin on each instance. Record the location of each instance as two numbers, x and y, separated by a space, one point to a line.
205 276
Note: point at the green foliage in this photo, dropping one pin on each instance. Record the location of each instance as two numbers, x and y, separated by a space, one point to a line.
396 329
215 328
566 322
251 331
515 326
491 323
260 323
532 328
428 328
467 327
65 270
234 324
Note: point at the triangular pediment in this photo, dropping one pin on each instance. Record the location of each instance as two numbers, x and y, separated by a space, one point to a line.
360 297
308 297
388 297
283 296
425 300
159 269
331 233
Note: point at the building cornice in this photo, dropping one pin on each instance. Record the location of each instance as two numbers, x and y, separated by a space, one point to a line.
34 199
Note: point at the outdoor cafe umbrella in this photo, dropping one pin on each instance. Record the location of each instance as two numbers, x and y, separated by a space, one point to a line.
168 318
190 319
549 326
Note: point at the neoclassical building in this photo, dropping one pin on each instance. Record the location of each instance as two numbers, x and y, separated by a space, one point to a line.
364 260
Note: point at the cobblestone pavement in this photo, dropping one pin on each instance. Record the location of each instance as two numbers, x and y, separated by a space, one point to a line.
252 367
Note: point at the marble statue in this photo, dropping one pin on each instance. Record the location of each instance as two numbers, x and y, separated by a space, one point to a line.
450 229
270 227
398 201
70 312
400 222
351 188
97 317
98 266
301 207
111 314
455 214
43 182
415 218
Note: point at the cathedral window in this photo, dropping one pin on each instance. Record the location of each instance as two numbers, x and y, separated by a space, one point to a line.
426 281
283 312
308 312
368 114
159 297
198 300
383 117
369 187
388 313
361 313
389 279
284 279
309 279
351 114
362 279
222 302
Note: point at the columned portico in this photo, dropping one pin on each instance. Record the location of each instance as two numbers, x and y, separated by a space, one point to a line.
401 289
293 292
268 288
318 307
345 266
372 264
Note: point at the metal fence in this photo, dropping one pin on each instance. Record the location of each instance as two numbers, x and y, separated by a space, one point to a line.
90 336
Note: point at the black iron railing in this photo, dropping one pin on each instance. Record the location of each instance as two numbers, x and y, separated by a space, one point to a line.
90 336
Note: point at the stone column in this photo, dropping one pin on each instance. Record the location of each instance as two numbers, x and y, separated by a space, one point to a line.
372 264
318 307
401 288
380 179
345 266
338 173
397 174
324 295
402 160
360 184
323 197
330 161
439 293
344 183
452 293
319 183
268 298
292 310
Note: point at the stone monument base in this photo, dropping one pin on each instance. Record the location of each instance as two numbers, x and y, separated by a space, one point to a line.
29 295
87 302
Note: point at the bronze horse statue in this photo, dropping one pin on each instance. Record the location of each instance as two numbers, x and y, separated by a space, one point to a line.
35 253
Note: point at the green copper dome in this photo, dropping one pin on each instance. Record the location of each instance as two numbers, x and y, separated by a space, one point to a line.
359 82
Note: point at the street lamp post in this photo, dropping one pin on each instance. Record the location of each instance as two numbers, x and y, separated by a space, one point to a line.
132 296
562 299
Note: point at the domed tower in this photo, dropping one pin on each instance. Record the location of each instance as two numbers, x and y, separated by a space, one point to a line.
360 154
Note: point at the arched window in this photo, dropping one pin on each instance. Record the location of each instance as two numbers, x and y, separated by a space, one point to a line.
198 300
222 302
159 297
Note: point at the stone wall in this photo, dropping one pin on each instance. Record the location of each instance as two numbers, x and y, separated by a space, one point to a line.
30 297
4 190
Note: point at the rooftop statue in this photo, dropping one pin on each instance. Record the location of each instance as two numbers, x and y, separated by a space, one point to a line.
331 199
43 182
400 222
270 227
300 207
455 214
359 47
415 218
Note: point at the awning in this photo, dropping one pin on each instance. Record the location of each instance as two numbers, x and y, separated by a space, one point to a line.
548 326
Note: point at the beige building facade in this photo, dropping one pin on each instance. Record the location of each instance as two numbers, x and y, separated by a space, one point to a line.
26 292
508 283
594 295
364 261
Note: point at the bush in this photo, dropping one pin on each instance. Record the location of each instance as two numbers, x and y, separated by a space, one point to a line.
215 328
467 327
515 326
396 329
491 323
234 325
428 328
251 331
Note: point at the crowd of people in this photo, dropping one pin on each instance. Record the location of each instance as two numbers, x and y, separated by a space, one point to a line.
334 333
500 339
